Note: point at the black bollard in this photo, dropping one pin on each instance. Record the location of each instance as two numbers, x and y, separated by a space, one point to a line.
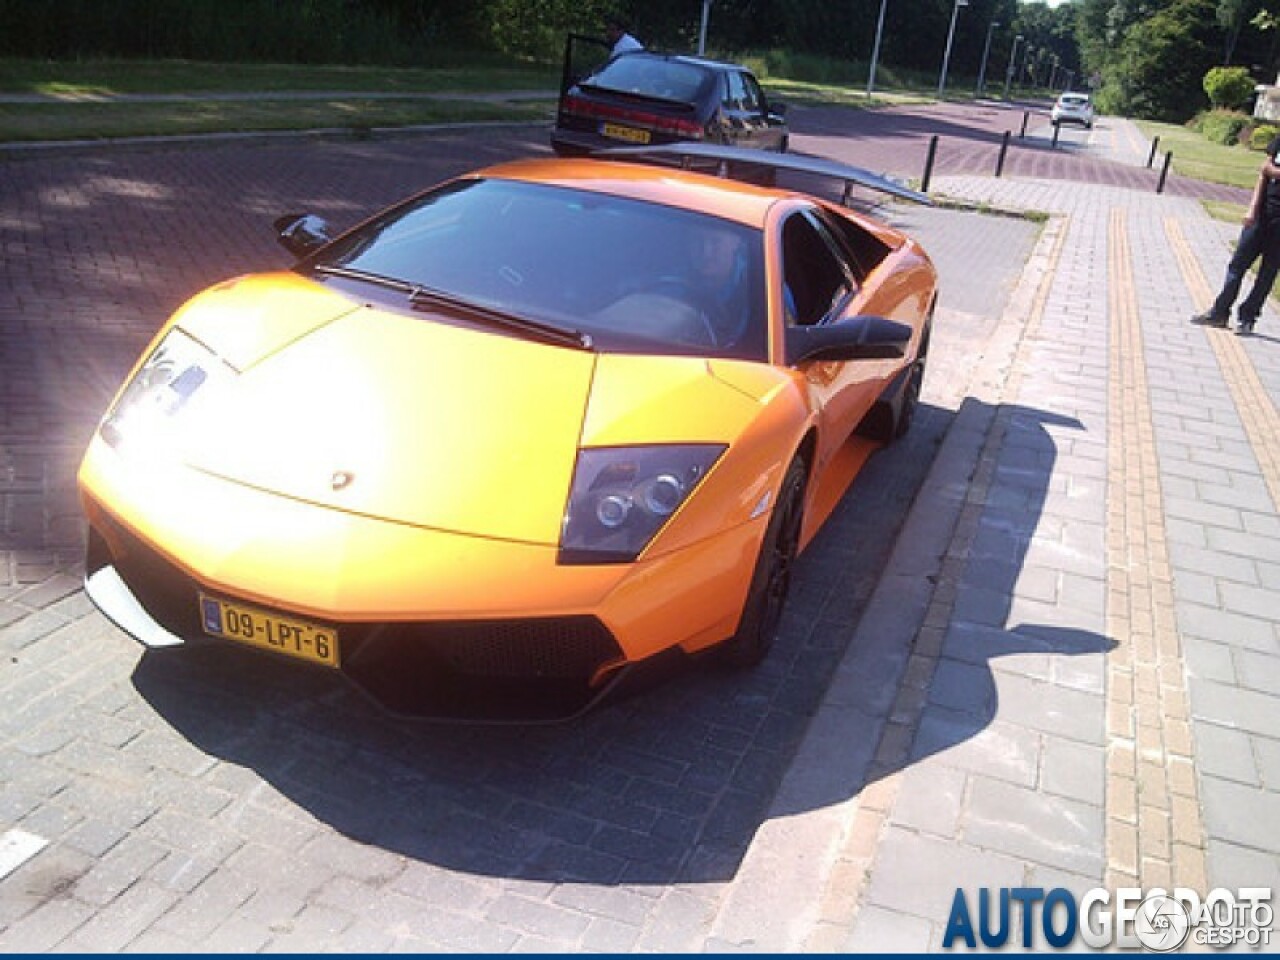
1004 148
1164 172
928 163
1054 145
1025 117
1151 157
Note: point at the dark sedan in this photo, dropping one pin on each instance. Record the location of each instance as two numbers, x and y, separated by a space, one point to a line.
649 98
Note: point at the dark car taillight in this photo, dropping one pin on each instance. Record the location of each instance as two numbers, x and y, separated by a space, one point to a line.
684 127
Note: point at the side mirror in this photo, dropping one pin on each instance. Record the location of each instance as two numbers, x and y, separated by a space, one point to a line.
855 338
301 233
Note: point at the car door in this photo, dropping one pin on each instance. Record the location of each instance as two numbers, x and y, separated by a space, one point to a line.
742 111
768 127
820 288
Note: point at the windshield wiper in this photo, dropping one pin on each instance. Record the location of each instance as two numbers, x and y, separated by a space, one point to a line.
350 273
421 296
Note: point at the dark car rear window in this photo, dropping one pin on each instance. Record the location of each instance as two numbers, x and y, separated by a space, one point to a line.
638 277
650 77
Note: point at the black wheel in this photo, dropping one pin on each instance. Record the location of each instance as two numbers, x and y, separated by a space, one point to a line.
910 400
890 419
771 580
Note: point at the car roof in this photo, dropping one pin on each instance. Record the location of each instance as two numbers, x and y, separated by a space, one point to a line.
685 58
717 196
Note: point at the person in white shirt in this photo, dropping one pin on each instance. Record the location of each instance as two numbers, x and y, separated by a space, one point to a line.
615 30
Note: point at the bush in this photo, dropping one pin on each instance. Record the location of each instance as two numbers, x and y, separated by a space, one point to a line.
1222 126
1262 136
1228 87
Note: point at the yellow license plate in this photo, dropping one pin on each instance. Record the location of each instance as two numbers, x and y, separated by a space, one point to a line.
269 631
630 134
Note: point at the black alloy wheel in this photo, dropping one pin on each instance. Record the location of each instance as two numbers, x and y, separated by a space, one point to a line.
771 580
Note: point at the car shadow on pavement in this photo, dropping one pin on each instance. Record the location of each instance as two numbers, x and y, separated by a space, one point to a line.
667 786
981 676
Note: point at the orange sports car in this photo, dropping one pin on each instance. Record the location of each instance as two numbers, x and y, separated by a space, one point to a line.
515 435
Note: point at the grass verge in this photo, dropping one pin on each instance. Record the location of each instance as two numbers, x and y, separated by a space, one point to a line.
1226 212
87 121
826 94
87 77
1196 157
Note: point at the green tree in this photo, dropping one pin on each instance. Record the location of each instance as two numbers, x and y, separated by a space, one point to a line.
1228 87
1050 33
1232 15
1160 63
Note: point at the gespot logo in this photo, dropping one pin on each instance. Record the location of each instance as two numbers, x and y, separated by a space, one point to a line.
1161 921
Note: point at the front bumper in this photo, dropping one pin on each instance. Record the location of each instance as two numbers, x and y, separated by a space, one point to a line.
538 669
429 623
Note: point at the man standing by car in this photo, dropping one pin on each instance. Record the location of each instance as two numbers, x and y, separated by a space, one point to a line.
1260 237
620 40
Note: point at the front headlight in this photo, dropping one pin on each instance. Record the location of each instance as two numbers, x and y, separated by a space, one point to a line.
622 496
146 415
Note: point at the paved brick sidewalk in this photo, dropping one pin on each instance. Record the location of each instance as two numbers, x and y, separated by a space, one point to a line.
1088 696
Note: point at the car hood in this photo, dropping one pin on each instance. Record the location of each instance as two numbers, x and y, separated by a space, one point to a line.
419 420
399 418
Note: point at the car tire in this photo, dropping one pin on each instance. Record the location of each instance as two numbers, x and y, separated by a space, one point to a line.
910 400
891 416
771 579
915 383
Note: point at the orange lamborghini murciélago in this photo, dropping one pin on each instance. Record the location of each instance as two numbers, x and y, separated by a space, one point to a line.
515 434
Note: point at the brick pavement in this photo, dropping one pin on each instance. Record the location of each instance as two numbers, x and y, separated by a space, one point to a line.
1087 696
972 702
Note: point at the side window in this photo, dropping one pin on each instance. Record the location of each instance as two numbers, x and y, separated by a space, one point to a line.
736 97
753 99
863 251
815 281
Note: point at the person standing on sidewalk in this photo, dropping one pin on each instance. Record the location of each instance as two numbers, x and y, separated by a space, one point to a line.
1259 237
619 36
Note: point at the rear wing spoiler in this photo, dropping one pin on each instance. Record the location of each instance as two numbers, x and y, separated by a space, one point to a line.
722 157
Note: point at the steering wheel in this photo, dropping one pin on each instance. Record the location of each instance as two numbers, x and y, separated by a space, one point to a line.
681 289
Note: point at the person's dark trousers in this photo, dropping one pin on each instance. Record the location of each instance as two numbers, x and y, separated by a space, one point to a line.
1262 239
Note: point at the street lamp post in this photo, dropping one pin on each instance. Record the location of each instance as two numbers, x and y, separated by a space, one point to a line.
951 34
702 29
875 49
1013 59
986 50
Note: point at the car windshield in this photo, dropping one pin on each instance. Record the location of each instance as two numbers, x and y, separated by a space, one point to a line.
650 77
636 277
1073 101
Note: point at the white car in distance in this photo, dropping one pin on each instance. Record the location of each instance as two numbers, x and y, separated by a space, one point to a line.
1073 108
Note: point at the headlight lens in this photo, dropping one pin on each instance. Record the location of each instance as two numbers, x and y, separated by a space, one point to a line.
146 414
622 496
